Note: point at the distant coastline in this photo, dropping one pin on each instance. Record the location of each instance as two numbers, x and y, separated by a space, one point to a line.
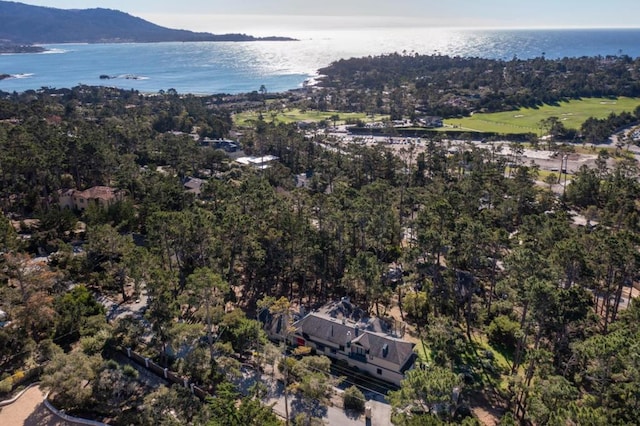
231 68
20 48
231 38
6 49
25 27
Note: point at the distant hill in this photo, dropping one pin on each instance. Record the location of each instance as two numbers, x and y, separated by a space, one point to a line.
25 24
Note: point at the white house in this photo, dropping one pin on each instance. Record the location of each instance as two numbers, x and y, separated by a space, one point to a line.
262 162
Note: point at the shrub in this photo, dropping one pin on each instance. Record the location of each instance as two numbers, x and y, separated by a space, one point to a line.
129 371
91 345
18 376
353 399
502 332
6 385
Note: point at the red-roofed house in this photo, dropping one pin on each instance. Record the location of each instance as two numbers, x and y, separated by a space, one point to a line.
104 196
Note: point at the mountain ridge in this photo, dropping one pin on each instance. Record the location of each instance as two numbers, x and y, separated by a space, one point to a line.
24 24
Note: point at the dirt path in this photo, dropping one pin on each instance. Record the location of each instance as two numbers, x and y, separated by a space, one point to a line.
29 410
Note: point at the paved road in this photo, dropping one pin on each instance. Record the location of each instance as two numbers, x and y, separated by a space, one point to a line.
29 410
133 308
145 376
539 157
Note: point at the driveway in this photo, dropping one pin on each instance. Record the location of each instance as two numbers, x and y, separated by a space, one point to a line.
332 415
134 308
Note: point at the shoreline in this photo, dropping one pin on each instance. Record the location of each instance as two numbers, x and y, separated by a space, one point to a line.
233 68
15 49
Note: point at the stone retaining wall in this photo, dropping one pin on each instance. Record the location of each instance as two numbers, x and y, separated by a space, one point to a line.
68 418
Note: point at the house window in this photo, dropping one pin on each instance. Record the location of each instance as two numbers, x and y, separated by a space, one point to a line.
342 348
379 371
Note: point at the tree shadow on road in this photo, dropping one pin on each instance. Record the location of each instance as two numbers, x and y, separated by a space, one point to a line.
352 414
41 416
311 408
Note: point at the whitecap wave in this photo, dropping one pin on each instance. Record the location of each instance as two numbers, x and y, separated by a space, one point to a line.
313 80
22 75
132 77
54 51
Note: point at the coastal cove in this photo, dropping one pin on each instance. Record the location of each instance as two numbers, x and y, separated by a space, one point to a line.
237 67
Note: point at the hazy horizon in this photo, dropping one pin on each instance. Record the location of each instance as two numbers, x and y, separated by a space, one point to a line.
260 17
295 25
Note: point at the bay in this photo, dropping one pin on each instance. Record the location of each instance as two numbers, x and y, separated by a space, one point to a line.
207 68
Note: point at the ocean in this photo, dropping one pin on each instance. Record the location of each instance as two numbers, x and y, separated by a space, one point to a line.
208 68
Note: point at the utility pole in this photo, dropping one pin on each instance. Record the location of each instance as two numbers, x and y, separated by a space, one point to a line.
286 382
282 307
286 376
209 334
565 159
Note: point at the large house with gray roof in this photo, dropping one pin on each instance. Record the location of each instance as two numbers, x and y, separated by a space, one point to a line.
343 332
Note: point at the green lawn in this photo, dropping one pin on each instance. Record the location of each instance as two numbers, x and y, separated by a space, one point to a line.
492 372
424 353
294 115
527 120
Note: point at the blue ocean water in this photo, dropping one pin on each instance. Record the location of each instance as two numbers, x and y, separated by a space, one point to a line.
205 68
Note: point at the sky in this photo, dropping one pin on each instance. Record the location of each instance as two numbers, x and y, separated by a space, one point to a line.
219 16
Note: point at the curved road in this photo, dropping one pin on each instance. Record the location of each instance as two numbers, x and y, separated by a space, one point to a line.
29 410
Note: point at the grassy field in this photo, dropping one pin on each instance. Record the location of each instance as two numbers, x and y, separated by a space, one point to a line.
294 115
527 120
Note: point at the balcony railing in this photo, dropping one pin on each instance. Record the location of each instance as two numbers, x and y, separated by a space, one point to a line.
358 357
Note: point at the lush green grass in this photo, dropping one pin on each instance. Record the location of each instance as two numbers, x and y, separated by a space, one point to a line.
488 365
493 372
424 353
295 115
527 120
543 174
